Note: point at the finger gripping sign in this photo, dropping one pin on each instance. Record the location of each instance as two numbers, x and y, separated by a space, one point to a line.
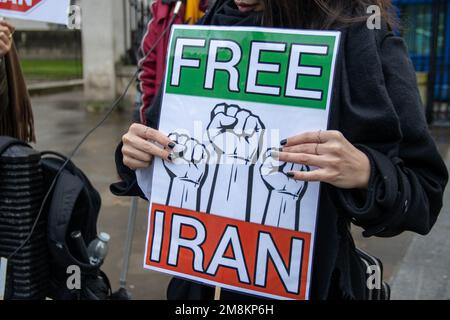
55 11
224 211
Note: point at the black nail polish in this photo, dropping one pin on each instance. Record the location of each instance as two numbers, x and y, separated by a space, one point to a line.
283 142
290 174
170 158
172 145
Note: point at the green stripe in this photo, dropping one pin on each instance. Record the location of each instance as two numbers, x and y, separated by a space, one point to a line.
192 79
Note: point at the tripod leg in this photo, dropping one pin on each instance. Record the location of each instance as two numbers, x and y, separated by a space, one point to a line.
128 241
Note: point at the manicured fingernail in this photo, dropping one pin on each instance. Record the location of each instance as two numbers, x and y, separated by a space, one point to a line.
283 142
170 157
290 174
172 145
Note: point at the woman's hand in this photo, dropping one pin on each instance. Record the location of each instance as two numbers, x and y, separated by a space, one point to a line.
6 32
142 143
340 163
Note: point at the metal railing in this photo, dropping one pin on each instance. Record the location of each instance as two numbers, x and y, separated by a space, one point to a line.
137 15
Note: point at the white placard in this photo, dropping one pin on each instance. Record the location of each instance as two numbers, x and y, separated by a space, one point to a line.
224 211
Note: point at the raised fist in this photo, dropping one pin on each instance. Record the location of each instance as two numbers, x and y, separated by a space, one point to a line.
189 159
235 133
285 194
274 175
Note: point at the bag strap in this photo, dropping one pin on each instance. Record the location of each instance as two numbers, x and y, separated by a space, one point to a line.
54 154
65 194
58 156
7 142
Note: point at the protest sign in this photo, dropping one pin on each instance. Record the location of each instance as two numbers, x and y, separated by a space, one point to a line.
224 212
54 11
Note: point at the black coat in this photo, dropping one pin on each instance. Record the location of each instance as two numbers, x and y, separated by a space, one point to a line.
377 106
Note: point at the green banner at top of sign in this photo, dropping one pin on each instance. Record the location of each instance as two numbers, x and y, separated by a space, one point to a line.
280 67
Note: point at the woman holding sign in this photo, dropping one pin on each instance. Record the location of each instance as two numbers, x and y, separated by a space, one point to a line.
377 162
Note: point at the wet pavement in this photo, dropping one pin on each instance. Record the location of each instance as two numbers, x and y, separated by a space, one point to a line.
62 119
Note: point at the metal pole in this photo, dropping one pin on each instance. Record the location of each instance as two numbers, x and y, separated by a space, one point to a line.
128 242
125 25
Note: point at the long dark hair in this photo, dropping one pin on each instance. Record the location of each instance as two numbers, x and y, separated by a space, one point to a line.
323 14
16 117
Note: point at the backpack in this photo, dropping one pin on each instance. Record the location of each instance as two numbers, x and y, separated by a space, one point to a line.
73 205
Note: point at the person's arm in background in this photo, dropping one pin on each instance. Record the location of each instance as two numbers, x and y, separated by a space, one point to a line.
152 67
147 66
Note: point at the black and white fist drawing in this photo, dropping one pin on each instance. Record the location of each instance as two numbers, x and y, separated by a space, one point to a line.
235 133
236 137
187 170
285 194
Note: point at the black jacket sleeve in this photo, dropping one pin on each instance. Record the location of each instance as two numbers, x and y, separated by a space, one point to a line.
406 186
127 186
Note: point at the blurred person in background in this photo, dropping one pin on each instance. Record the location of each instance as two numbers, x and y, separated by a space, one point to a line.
16 116
152 67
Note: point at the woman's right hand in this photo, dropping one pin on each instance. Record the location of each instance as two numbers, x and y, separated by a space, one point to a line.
141 144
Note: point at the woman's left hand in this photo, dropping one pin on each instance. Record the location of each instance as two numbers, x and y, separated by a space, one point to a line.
339 162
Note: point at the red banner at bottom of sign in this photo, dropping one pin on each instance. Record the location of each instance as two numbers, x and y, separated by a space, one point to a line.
241 256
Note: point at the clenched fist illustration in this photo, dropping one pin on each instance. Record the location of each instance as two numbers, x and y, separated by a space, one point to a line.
235 133
189 159
274 174
285 194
